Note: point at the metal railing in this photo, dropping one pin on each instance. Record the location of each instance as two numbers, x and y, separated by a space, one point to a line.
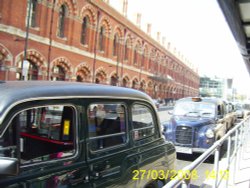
239 134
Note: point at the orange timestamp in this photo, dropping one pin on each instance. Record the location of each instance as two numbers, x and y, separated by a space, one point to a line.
165 174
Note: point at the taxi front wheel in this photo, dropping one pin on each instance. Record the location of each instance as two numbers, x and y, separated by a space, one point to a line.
155 184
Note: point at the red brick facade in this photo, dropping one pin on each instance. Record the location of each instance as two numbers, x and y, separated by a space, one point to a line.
87 41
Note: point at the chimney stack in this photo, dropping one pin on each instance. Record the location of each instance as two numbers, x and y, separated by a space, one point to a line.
158 36
149 29
125 7
138 20
163 41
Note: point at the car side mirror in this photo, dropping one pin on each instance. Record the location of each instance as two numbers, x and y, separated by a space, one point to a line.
9 166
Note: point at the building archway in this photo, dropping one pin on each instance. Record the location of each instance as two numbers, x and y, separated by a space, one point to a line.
36 65
135 83
61 69
101 76
83 73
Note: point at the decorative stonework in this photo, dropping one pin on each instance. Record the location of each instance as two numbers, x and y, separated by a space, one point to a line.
70 5
89 11
105 21
64 63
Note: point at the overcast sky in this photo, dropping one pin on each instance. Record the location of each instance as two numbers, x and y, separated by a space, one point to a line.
198 30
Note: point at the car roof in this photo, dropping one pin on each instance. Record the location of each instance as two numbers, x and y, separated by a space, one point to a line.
203 99
13 92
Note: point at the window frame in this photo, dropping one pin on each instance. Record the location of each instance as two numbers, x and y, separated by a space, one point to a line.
61 21
33 16
102 39
85 31
22 107
154 120
126 132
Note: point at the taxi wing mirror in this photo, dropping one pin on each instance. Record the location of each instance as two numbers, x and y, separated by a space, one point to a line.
8 166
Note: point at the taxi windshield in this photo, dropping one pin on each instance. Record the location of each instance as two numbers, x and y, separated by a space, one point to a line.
201 109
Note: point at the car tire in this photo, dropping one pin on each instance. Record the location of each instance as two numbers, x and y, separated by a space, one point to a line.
155 184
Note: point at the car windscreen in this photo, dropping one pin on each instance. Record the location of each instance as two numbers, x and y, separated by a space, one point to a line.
189 108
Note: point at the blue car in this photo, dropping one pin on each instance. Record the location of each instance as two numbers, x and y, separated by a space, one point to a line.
196 123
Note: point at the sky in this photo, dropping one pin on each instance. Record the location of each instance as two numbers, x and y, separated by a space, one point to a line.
198 30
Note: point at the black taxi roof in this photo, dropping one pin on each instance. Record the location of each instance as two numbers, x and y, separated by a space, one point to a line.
13 92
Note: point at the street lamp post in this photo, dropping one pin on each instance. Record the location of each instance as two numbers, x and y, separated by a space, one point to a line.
123 52
26 41
50 39
142 59
95 46
117 63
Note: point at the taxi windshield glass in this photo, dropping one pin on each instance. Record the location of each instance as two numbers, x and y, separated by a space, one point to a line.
201 109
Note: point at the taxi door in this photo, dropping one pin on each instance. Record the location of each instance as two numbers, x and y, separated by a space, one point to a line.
110 157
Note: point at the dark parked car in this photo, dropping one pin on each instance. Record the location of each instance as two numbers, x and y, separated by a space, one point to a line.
65 134
196 123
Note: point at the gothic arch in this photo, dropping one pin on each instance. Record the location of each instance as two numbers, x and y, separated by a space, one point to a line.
101 76
34 56
150 84
64 63
89 11
118 30
125 81
135 82
129 40
70 5
105 21
143 85
83 73
5 55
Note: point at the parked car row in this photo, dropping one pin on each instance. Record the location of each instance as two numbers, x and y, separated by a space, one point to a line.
196 123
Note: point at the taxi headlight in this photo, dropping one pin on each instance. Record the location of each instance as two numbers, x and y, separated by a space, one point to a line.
209 133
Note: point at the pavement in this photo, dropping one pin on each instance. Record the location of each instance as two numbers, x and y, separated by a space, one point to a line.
238 175
242 167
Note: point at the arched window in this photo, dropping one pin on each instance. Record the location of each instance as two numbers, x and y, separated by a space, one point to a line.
115 45
113 81
135 55
79 78
150 63
58 73
62 19
33 14
85 31
124 82
126 51
32 71
142 58
102 39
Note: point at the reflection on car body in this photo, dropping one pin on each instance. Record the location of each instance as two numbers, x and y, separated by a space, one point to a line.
55 134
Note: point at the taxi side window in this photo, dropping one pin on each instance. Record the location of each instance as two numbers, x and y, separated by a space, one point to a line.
45 133
106 125
143 122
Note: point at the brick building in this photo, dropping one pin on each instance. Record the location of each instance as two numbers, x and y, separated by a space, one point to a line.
87 41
